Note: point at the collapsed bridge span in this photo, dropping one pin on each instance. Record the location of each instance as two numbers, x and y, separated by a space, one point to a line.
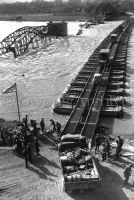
19 41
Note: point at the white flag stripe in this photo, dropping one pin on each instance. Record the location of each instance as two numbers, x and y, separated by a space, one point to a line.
10 89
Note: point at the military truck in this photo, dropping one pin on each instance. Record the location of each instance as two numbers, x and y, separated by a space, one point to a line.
78 165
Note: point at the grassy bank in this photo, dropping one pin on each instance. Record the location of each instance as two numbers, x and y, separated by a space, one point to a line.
43 17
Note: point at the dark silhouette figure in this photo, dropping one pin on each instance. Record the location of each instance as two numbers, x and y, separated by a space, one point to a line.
34 126
26 122
2 138
53 124
42 124
104 152
127 173
119 143
97 143
58 129
19 146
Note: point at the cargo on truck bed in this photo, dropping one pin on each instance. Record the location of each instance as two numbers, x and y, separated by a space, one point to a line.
78 166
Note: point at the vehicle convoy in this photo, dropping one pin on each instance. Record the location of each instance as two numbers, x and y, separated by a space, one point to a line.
101 95
78 166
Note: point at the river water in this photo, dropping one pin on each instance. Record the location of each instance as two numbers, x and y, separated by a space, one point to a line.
42 74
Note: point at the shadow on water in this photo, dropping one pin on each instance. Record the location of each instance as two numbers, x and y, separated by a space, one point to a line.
111 187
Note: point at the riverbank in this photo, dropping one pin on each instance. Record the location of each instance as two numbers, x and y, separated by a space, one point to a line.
44 17
43 178
81 17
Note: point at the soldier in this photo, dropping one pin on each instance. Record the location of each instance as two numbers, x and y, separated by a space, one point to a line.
28 137
119 143
127 173
3 139
42 124
18 145
104 152
58 129
53 124
25 122
97 143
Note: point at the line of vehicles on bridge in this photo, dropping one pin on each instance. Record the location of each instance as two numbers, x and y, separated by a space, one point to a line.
77 163
115 93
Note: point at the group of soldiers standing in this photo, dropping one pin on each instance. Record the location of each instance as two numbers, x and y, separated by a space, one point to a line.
31 136
106 152
106 147
25 136
27 140
54 127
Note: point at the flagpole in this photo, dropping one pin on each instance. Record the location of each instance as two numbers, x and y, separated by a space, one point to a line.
17 102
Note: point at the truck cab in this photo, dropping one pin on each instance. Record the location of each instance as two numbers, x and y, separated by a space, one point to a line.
97 78
104 55
113 38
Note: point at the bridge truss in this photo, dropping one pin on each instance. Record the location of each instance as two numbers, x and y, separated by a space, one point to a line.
18 41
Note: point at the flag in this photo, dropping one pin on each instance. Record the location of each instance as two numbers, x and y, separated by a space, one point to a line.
10 89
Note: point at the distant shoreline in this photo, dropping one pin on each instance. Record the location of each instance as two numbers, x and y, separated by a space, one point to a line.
44 17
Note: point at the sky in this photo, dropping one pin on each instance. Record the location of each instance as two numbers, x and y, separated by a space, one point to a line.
12 1
7 1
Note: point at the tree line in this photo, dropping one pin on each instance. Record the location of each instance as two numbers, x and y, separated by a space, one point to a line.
51 7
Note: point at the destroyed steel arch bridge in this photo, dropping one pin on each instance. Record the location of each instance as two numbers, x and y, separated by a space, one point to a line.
18 41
